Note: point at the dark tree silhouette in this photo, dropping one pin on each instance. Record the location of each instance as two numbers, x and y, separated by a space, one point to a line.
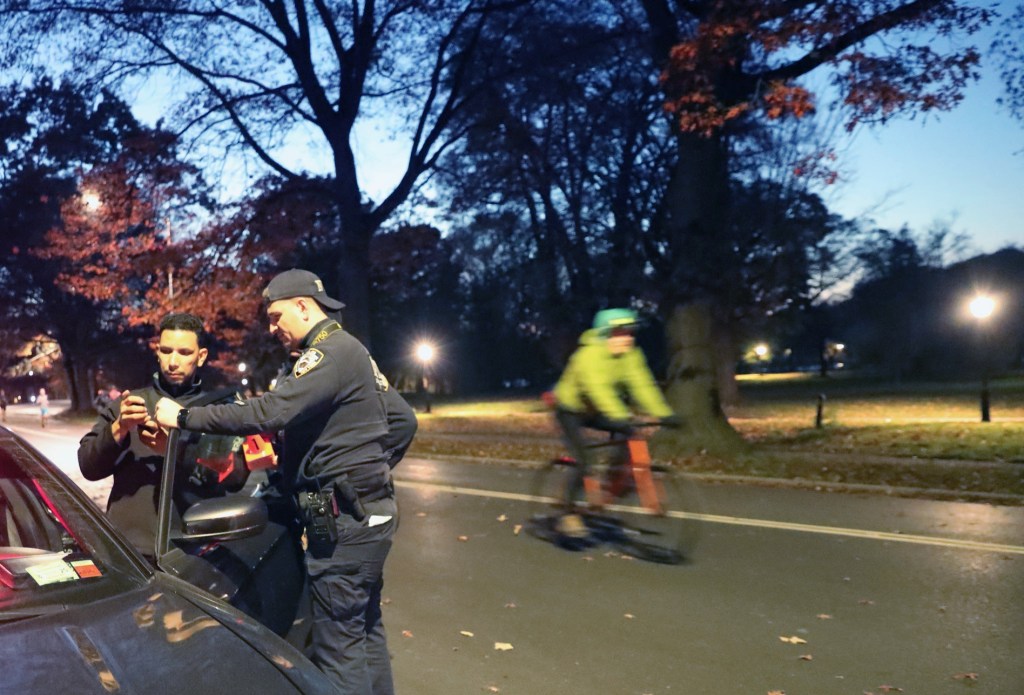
251 74
728 60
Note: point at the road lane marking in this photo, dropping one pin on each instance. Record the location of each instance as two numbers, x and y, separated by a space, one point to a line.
959 544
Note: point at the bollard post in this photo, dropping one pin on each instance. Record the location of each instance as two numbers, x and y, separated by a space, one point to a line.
820 416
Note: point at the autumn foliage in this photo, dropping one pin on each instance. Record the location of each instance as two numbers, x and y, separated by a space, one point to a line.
138 241
743 57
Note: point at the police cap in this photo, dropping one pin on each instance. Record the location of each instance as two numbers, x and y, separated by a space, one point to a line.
299 283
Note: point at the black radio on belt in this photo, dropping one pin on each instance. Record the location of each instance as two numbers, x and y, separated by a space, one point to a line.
319 510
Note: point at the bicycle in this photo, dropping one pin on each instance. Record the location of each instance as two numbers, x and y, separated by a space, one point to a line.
644 509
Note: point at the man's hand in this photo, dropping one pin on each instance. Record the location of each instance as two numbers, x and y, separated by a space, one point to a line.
167 413
154 436
132 413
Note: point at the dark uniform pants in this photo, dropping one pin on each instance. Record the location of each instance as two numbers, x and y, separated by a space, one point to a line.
349 643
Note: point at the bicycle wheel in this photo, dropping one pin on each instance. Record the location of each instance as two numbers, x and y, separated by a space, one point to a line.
548 492
669 536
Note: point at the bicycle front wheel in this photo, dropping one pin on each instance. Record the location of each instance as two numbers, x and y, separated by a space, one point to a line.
667 535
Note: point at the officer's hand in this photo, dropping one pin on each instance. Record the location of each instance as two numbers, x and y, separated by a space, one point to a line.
154 436
673 421
166 414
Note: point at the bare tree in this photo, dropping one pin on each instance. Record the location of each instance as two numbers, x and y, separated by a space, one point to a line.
251 75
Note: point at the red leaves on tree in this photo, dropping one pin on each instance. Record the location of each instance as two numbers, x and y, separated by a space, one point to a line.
743 57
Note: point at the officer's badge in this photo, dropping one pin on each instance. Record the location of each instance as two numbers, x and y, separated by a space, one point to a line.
305 364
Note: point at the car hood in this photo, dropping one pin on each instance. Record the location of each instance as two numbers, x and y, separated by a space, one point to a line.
166 637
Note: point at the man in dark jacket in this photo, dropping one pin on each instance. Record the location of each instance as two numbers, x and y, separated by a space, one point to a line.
126 442
333 410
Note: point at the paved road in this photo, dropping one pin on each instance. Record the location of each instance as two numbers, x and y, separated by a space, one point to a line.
790 591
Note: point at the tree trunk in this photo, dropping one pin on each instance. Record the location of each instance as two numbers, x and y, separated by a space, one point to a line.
355 284
79 386
693 386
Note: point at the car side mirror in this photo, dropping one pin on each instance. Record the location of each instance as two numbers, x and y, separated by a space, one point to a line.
224 519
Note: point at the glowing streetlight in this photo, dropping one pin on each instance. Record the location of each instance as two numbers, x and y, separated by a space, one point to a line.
424 355
761 350
242 367
91 200
982 307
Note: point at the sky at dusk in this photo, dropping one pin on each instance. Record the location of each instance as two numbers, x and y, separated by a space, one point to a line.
966 165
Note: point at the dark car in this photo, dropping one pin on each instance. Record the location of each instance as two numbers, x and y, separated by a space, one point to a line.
82 612
242 547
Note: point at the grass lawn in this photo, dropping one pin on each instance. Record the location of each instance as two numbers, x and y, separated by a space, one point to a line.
916 435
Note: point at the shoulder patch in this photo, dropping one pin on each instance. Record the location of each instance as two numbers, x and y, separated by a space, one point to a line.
307 362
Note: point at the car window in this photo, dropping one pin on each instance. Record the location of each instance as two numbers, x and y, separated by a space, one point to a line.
54 549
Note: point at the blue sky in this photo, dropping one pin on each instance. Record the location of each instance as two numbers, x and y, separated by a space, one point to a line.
966 165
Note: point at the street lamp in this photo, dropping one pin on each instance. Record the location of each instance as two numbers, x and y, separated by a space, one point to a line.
424 355
91 200
982 307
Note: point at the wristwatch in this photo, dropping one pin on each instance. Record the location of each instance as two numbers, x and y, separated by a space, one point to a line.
182 417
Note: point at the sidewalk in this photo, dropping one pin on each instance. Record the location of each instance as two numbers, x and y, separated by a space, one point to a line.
58 442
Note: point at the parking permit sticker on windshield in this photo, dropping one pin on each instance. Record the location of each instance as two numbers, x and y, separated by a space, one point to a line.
52 572
86 568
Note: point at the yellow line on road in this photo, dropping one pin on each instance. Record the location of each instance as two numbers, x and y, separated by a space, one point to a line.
740 521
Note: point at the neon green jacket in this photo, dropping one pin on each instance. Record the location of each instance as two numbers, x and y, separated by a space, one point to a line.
594 378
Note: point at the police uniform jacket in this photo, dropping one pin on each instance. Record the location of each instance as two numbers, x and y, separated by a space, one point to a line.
132 505
330 408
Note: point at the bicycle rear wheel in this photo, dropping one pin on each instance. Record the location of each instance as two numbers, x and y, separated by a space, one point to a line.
669 536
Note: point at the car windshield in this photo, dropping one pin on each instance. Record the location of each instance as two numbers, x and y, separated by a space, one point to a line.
55 549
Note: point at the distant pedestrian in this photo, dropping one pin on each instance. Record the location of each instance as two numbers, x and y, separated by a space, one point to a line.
44 406
3 403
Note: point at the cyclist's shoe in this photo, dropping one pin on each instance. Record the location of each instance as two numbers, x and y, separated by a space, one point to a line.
572 525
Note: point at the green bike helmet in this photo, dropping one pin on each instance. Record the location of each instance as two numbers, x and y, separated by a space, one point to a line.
608 319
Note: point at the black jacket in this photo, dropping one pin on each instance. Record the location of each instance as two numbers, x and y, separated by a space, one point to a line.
330 408
132 505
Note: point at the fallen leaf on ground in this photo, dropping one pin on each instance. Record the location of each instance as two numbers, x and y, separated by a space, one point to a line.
966 676
866 602
465 633
463 538
493 689
890 689
628 616
511 605
502 518
806 657
516 529
406 633
776 692
503 646
421 513
824 616
793 640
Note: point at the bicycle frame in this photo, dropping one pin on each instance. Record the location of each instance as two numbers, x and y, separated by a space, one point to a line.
638 465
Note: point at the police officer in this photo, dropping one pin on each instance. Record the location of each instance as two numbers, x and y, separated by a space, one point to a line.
332 410
126 443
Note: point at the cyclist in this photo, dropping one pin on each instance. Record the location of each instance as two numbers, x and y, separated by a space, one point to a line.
606 375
